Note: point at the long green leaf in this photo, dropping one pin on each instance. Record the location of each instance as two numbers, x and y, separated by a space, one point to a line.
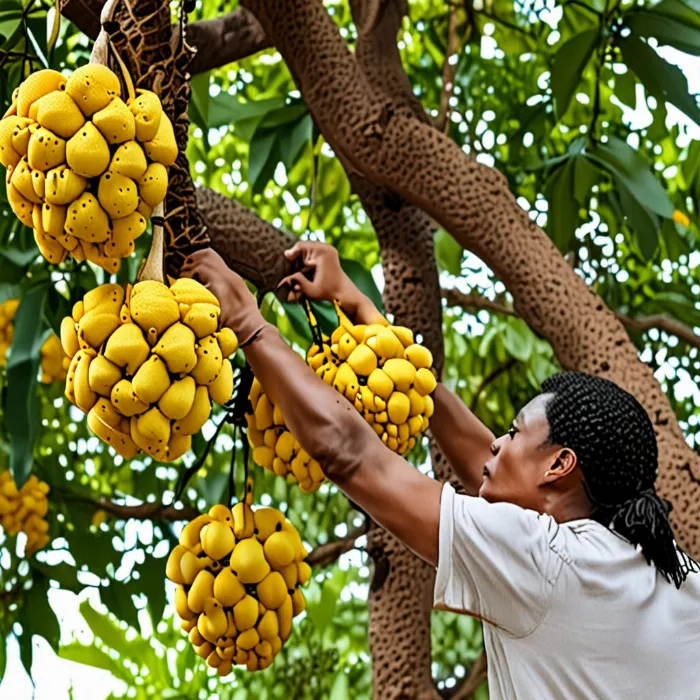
666 30
104 629
663 80
569 63
449 253
632 169
22 419
260 157
39 617
92 656
563 210
363 280
644 224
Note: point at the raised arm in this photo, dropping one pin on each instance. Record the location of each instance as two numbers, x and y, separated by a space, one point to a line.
393 493
462 437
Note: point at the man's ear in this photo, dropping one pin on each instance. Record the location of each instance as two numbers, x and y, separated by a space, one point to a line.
563 463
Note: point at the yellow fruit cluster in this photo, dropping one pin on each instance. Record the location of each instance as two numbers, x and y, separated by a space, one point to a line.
274 447
84 168
239 574
146 364
384 374
23 510
54 362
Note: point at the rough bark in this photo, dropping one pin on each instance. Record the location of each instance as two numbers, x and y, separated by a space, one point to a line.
390 147
216 42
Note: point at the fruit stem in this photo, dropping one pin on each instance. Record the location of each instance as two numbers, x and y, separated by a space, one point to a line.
153 268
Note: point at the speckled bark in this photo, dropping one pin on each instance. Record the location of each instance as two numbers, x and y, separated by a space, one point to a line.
391 147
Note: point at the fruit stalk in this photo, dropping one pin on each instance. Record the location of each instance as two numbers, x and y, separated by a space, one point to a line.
154 266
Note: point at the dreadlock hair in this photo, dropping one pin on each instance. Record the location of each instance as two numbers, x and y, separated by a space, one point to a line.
614 440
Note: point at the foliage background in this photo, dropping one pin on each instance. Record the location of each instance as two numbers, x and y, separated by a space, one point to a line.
578 103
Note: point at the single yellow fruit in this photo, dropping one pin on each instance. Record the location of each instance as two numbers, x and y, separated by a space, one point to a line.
147 111
57 112
118 195
92 87
87 153
162 148
425 382
151 380
245 613
203 319
125 400
285 613
129 160
243 522
198 415
172 567
115 122
124 232
217 540
53 219
95 327
9 156
177 401
272 590
221 389
401 372
398 408
69 336
62 185
279 550
178 445
20 206
405 335
188 291
176 345
268 627
298 602
362 360
249 563
228 590
153 306
228 342
189 537
209 361
202 589
181 607
52 250
85 397
248 640
154 426
103 375
153 184
85 219
380 384
21 178
388 345
419 356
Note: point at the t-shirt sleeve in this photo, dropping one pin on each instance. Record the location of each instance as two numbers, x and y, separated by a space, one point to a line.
495 562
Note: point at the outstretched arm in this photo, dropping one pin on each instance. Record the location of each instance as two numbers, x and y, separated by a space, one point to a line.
462 437
393 493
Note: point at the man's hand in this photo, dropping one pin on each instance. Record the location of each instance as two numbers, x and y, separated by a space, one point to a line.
322 278
239 309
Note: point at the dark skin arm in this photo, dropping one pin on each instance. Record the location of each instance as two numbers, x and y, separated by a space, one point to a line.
394 494
462 437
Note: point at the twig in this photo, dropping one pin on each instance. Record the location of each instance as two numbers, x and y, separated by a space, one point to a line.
143 511
471 681
326 554
470 302
488 379
449 68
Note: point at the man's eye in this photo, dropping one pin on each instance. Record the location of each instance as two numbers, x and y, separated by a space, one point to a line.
512 432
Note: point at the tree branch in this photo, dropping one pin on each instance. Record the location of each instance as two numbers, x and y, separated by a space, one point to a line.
471 681
219 41
326 554
225 39
489 379
471 302
143 511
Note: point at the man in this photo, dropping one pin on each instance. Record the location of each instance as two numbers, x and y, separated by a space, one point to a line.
567 554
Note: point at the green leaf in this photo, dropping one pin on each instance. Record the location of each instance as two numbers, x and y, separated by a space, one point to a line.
562 219
118 600
152 583
644 224
261 160
633 170
65 574
586 175
199 103
39 617
293 138
104 629
363 280
3 654
570 62
449 253
626 89
685 11
519 340
92 656
663 80
23 419
341 687
225 109
666 30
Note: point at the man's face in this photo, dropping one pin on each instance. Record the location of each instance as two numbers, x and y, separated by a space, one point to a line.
519 459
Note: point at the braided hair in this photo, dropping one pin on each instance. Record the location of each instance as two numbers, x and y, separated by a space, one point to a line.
614 440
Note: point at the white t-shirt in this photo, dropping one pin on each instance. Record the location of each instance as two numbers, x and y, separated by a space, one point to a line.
570 610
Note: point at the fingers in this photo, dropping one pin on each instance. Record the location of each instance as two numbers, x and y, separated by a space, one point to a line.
298 283
294 252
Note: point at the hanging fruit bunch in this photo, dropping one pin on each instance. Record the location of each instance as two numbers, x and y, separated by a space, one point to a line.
23 510
146 363
378 368
274 446
85 168
54 362
239 574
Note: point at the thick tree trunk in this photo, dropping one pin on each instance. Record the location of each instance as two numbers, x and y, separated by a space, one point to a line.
391 147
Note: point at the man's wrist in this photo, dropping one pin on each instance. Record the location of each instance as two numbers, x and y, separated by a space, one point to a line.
245 322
